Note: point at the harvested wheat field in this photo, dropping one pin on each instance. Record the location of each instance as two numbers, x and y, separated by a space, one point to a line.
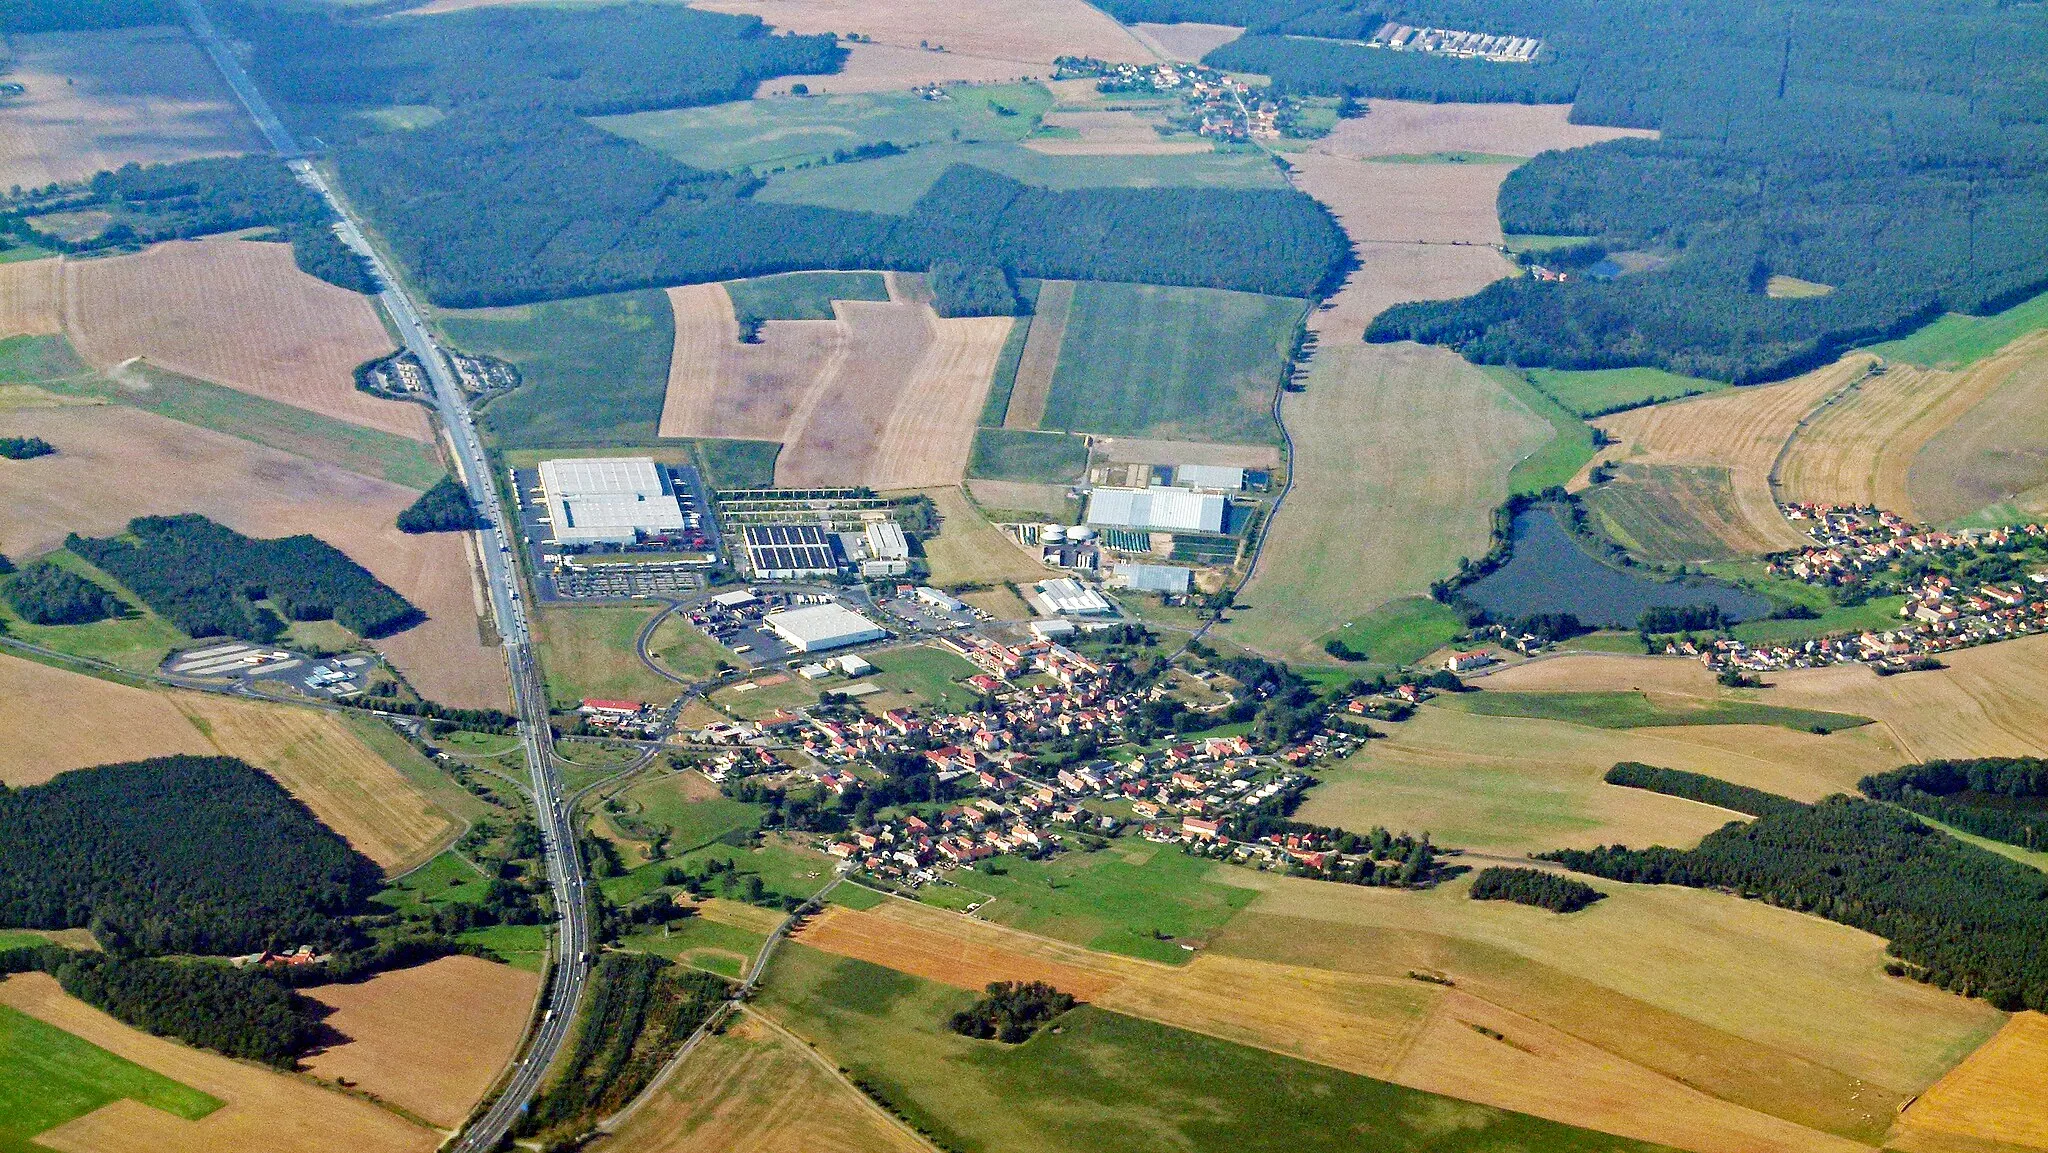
429 1039
1024 34
237 313
265 1110
895 68
886 395
1410 128
313 755
1740 429
1994 1095
1994 453
30 294
168 467
753 1088
1990 701
970 550
1862 447
884 937
1405 203
53 721
98 100
1187 41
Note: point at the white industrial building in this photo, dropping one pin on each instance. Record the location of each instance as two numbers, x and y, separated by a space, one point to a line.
1172 509
885 550
609 500
815 628
1156 578
1212 477
1065 596
938 600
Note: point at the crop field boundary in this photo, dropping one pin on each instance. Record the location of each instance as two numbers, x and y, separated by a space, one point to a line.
1031 389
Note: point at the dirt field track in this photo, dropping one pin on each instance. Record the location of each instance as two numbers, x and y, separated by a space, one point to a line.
43 730
886 395
98 100
265 1111
430 1038
31 292
237 313
1411 128
1995 1095
115 463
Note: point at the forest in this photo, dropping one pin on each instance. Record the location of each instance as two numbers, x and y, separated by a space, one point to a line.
972 290
2004 798
192 198
28 16
208 579
1911 188
1011 1011
1956 916
43 594
1533 887
177 855
443 508
1699 787
493 210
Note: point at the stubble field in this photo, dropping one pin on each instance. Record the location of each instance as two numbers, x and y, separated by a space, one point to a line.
1991 460
1993 1096
1408 128
1186 41
1041 355
1025 38
56 721
98 100
31 297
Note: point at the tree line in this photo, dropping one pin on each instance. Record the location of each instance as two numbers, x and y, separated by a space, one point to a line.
1698 787
1534 887
177 855
2004 798
207 579
1956 916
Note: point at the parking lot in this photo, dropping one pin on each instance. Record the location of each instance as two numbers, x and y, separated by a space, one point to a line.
269 669
559 576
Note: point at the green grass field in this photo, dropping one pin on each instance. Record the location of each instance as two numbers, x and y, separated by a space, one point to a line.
683 649
892 184
772 135
137 642
594 370
49 1077
1567 451
803 295
1174 363
588 651
1878 613
38 359
784 869
1100 1082
521 946
1116 900
1021 454
1004 380
662 804
1609 389
1401 632
1956 341
447 879
723 949
1634 710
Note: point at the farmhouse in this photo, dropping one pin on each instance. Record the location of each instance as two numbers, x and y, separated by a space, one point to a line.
1464 661
1161 508
815 628
780 552
609 500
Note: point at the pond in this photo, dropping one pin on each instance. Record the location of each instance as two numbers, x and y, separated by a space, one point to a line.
1549 572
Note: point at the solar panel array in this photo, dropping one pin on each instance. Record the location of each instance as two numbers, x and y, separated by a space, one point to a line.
788 548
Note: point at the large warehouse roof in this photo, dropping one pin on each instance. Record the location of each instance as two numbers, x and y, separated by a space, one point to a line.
1162 508
1065 596
1156 578
829 626
608 499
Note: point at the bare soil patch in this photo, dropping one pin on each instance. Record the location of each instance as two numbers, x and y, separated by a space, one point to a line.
265 1110
30 294
53 721
1187 41
98 100
1994 1095
238 313
1041 356
431 1038
1408 128
115 463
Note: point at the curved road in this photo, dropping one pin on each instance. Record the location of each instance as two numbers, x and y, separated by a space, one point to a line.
529 695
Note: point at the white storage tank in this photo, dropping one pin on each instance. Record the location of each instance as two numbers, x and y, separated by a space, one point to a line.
1080 532
1052 534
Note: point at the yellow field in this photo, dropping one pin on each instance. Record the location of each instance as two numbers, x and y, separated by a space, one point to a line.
1740 429
265 1111
30 291
1994 1095
751 1088
429 1039
1991 454
1860 449
52 721
969 550
351 789
1407 127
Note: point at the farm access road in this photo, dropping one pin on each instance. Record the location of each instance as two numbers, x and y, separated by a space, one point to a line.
529 694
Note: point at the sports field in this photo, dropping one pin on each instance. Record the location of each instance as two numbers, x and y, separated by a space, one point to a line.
1595 391
1173 363
588 651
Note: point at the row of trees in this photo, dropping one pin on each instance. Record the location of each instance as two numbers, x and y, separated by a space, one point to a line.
446 507
177 855
1698 787
2004 798
1533 887
1956 915
43 594
206 579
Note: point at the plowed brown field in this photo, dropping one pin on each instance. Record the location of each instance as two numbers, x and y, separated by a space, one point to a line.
53 721
431 1038
265 1111
238 313
30 292
116 463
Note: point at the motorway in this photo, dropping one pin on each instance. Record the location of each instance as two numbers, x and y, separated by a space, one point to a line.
529 695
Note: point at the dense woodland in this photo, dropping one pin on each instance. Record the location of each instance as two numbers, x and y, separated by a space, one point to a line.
1956 915
445 507
207 579
2004 798
1533 887
177 855
43 594
972 290
19 16
1699 787
1011 1011
25 447
1896 153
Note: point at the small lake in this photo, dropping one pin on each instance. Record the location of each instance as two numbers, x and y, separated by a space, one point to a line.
1549 572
